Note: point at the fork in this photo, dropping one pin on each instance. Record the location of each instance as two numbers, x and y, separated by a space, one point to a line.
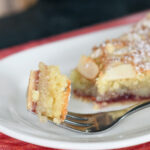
98 122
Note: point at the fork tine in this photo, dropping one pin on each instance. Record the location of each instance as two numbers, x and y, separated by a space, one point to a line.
77 123
77 120
83 129
76 117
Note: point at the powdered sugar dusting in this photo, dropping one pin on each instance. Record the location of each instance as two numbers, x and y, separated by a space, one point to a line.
132 47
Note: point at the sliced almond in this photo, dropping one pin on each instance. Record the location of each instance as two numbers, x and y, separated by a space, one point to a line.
96 53
122 71
110 48
88 68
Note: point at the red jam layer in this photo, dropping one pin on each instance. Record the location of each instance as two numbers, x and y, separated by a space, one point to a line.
34 105
123 98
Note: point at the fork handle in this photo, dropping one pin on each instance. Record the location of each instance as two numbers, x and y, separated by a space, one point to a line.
137 106
124 112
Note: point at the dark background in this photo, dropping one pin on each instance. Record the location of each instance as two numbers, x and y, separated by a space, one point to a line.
50 17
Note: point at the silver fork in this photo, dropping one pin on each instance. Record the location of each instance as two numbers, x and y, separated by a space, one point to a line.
90 123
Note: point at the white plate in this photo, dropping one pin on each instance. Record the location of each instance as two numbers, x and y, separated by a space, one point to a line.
17 122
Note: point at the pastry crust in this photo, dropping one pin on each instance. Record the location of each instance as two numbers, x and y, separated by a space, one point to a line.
32 86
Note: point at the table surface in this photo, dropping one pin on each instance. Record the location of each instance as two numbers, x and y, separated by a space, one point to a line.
8 143
51 17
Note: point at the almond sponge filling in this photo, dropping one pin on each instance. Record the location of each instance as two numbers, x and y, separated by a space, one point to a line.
113 91
48 93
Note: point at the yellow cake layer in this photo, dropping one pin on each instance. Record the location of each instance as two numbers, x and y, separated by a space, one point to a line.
52 93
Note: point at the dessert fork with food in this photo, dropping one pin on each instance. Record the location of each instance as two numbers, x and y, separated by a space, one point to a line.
116 72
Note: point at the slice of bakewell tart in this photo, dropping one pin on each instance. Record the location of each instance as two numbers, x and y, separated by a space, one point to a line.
48 93
118 70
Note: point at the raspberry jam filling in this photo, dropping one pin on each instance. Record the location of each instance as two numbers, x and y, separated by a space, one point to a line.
123 98
34 105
